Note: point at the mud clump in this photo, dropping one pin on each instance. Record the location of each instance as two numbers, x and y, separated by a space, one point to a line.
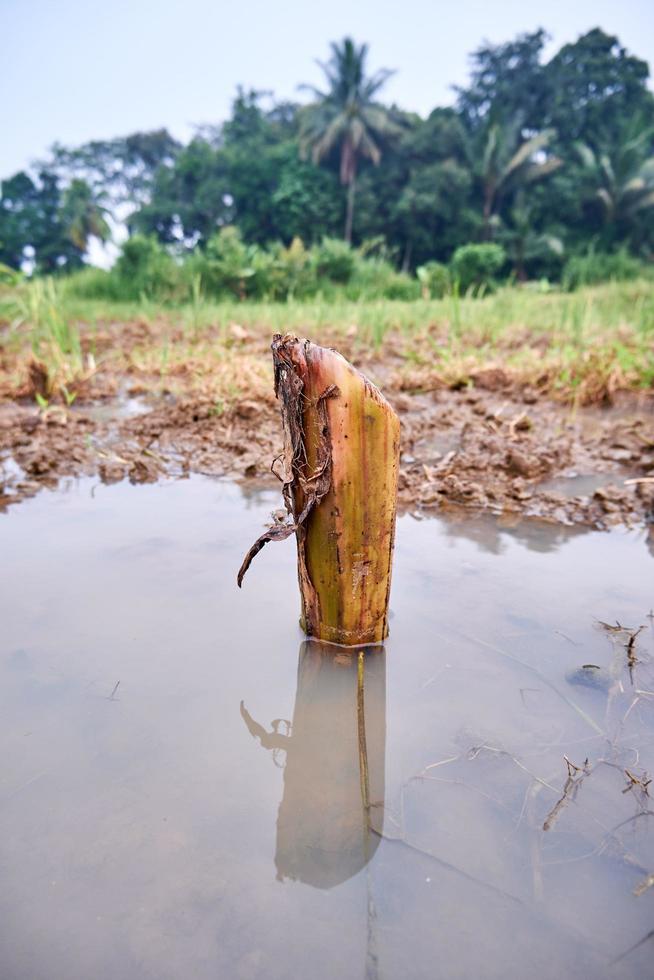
111 471
490 379
475 449
525 464
645 493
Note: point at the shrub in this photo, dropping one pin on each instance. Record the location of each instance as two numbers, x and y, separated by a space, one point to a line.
228 264
334 260
594 267
144 268
401 286
434 278
92 283
476 266
375 278
9 276
290 273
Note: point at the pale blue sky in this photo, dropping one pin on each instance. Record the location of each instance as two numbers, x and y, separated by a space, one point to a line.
74 70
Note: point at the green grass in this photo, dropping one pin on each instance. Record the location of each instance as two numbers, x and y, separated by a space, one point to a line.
595 338
606 307
53 334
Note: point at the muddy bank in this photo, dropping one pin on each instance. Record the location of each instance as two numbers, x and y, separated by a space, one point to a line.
509 451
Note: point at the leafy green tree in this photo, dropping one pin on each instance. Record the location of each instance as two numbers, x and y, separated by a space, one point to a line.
592 85
423 187
83 216
434 207
190 198
53 249
346 117
31 225
256 145
18 217
476 266
433 210
305 202
121 169
506 78
248 173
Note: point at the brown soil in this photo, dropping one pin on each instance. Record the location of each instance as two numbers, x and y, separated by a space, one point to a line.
491 444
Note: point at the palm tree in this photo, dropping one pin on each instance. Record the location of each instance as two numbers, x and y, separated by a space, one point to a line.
624 176
83 215
509 163
346 116
521 240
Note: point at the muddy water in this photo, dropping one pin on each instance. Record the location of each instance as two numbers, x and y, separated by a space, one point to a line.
185 792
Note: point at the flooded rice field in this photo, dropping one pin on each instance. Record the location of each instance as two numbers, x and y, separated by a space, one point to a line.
188 788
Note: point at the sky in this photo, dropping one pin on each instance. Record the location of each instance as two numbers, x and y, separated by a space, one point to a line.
75 70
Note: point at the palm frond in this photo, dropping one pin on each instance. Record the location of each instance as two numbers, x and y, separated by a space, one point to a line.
607 168
528 149
327 140
379 121
317 93
644 202
585 154
536 171
490 147
606 199
366 145
377 82
634 186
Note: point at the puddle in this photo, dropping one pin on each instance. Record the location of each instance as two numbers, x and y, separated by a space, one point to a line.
181 788
581 485
122 407
10 469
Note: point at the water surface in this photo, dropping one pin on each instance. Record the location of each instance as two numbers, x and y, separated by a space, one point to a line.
180 772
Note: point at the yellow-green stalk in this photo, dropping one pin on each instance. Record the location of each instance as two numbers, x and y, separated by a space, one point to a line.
339 472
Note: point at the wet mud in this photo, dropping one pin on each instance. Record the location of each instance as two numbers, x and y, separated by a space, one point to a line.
490 444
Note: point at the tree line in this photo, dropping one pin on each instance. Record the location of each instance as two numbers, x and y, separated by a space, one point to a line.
547 159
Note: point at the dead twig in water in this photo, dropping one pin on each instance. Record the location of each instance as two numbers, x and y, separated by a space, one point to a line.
635 781
632 638
361 727
630 709
632 659
642 887
572 768
568 638
618 628
435 765
570 790
112 696
650 935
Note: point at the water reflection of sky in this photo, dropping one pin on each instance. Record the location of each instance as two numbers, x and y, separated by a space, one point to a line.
145 833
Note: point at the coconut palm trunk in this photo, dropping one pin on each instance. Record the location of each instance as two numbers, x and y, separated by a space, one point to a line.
349 208
340 472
